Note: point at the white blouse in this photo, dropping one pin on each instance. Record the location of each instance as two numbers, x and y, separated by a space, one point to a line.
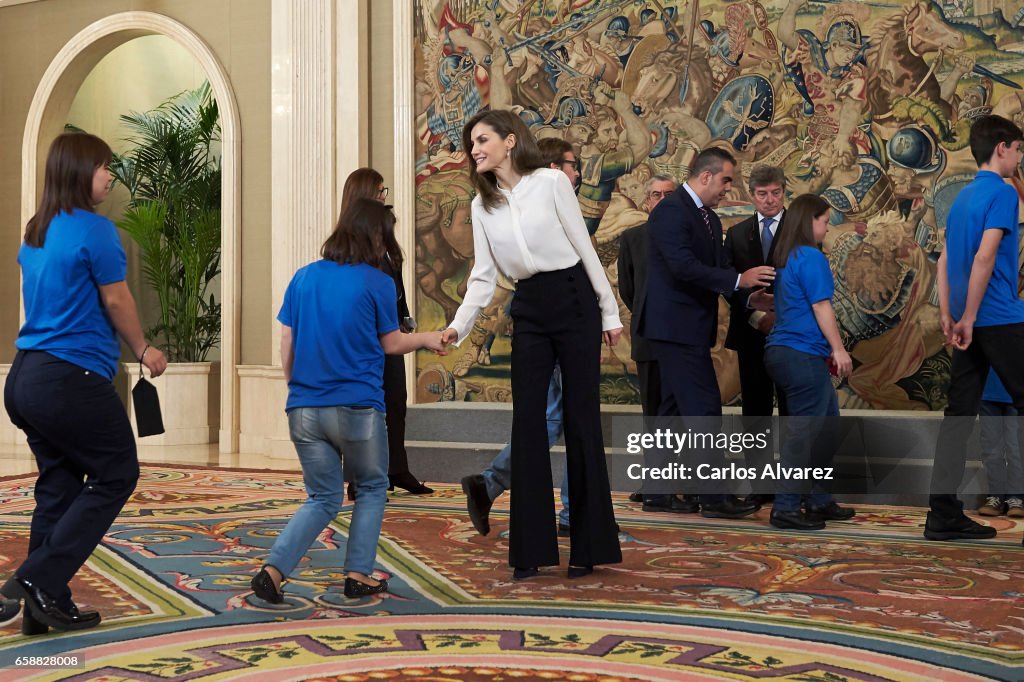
539 229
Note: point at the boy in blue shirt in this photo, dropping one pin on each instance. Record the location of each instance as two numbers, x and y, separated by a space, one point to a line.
982 315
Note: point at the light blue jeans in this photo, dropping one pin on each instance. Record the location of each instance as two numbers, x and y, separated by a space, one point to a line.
323 437
498 476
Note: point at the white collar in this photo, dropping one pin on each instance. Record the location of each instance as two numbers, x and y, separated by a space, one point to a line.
693 195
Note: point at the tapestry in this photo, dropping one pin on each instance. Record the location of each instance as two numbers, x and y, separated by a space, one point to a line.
867 104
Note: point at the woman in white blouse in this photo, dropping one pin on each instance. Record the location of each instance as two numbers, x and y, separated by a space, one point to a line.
527 224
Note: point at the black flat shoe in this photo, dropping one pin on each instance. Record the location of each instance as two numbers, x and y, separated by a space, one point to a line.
524 573
636 497
263 587
727 509
355 588
580 571
43 609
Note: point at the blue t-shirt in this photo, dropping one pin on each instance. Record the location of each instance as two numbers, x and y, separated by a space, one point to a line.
64 315
986 203
805 280
337 314
995 392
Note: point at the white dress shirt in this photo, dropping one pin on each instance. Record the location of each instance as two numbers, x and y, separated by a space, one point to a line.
700 204
539 228
774 227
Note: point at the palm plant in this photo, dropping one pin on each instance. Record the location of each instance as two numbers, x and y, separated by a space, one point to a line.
173 177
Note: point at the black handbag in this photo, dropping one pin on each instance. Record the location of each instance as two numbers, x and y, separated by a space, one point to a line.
148 419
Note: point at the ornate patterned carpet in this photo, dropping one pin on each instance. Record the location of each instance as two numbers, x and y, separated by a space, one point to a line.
694 599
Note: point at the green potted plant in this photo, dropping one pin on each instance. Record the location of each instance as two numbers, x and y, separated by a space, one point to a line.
173 176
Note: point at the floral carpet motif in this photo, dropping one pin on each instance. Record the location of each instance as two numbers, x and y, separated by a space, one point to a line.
693 599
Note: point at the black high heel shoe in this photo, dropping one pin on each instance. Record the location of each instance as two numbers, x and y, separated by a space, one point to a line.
524 573
580 571
406 481
263 587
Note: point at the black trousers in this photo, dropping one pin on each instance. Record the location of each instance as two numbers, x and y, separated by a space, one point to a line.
758 393
999 348
79 433
395 396
556 317
649 375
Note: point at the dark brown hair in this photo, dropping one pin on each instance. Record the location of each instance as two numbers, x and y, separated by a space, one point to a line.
361 235
553 150
525 155
70 165
799 230
362 183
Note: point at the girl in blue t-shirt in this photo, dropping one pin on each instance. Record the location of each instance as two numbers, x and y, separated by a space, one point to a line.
799 353
338 320
60 391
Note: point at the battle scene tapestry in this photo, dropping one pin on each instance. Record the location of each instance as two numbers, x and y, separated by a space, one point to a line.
867 104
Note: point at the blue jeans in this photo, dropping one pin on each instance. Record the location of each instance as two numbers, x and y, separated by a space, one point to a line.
498 476
805 390
323 436
1000 451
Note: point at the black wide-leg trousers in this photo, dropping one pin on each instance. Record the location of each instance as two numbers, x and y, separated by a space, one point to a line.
79 433
556 318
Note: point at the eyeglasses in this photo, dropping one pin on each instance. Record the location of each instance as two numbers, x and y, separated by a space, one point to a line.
575 163
382 193
658 195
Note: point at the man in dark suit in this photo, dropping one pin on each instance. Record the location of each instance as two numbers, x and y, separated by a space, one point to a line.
749 244
687 271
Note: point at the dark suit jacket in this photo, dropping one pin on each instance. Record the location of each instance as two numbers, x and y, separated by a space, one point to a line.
743 248
633 286
396 274
687 271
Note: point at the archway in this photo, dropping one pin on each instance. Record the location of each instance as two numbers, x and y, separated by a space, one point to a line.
48 114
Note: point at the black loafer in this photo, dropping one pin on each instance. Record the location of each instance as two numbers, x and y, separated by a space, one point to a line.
636 497
478 502
524 573
674 505
263 587
44 609
579 571
795 520
355 589
832 512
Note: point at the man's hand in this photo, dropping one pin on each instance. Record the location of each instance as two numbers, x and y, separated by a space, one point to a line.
843 363
435 341
761 276
962 335
765 324
762 300
611 337
154 360
449 335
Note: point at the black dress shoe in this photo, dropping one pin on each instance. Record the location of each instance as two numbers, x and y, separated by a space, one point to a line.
9 609
760 499
958 528
729 508
795 520
263 587
355 588
44 609
524 573
832 512
673 504
636 497
478 502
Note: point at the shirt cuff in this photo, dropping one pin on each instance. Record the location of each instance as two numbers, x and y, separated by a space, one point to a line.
737 287
755 318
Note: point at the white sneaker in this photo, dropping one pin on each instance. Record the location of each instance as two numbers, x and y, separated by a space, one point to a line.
992 506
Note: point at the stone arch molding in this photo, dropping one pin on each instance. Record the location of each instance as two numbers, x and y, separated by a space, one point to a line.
46 118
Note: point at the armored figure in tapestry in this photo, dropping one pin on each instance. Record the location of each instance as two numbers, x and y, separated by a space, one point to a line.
866 104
